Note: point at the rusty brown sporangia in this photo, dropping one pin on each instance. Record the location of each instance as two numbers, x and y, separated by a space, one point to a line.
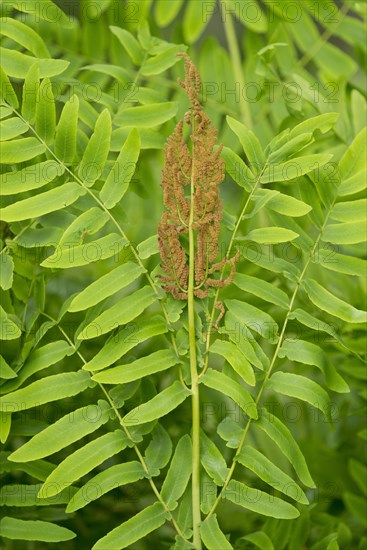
205 168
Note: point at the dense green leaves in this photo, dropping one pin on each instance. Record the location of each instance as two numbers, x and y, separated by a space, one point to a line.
129 42
213 537
237 360
45 531
286 101
66 133
159 406
284 204
26 495
6 372
330 303
253 318
5 426
270 473
71 255
178 474
30 177
121 313
45 112
260 540
96 152
352 166
122 171
311 354
72 427
197 15
148 248
258 501
147 116
341 263
162 61
312 322
346 233
38 360
155 362
281 152
105 286
358 472
134 529
238 170
82 461
350 211
222 383
212 460
262 289
165 13
271 235
11 128
293 168
126 339
7 269
44 203
158 452
284 439
301 387
17 64
7 91
9 329
50 13
20 150
250 144
113 477
45 390
30 91
88 223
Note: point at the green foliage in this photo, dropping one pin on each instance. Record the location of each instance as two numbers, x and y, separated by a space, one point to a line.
95 419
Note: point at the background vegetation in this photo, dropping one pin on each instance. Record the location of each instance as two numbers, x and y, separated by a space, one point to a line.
89 97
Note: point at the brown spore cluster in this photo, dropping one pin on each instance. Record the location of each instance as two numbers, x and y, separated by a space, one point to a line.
190 182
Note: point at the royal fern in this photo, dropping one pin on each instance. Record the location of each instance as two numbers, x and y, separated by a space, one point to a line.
182 369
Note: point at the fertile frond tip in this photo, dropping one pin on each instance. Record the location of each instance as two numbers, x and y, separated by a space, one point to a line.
202 169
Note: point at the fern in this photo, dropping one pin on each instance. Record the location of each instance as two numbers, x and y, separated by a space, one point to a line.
204 360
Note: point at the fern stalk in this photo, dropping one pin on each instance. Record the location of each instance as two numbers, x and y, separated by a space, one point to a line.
187 276
236 61
194 373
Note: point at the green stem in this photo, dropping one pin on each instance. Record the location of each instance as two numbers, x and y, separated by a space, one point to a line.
322 39
195 402
7 247
196 515
236 62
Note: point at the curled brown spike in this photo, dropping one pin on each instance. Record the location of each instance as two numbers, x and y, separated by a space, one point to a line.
207 168
219 305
